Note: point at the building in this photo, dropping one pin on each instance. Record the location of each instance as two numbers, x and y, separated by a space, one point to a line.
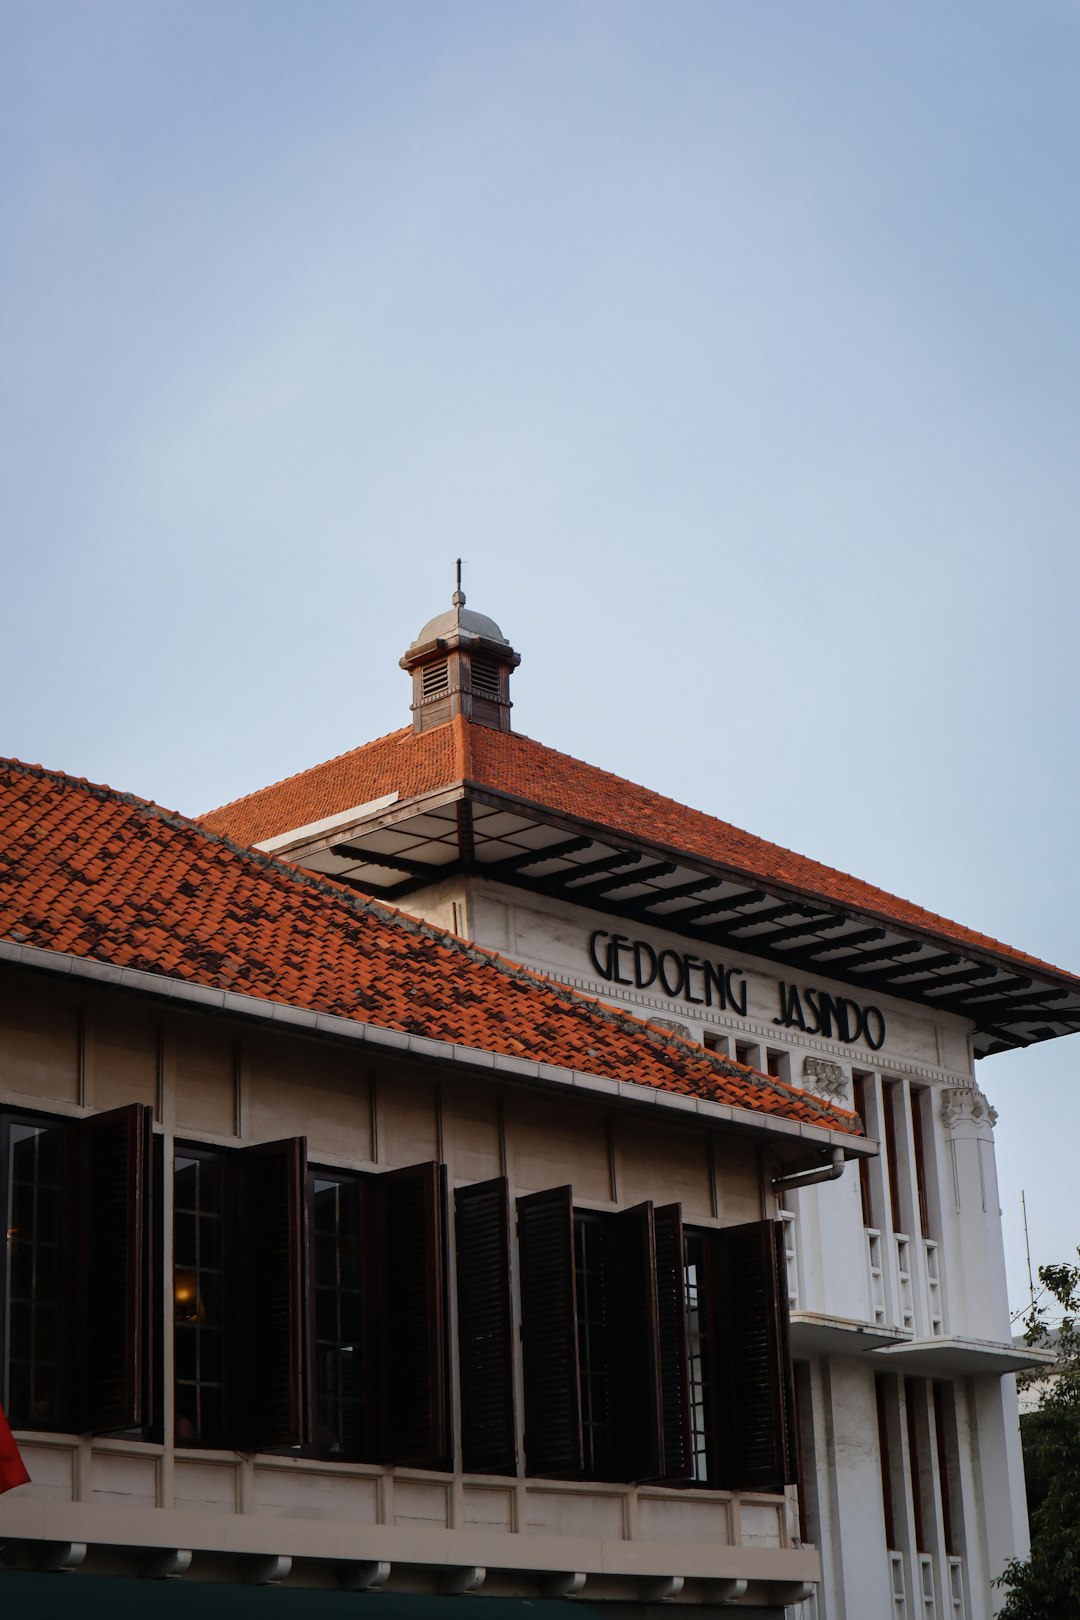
526 1268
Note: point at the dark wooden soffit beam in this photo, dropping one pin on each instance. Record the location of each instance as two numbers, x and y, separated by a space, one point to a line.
729 902
393 892
680 891
906 970
534 857
792 908
970 973
396 863
1027 1014
561 881
887 953
996 988
466 839
824 922
820 947
623 880
1009 1009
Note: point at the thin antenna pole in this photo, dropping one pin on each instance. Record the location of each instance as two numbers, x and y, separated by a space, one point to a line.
459 573
1027 1246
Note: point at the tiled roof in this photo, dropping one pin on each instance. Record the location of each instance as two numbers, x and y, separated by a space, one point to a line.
506 762
95 873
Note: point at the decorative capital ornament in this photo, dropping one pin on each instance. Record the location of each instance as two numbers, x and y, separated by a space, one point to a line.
966 1104
824 1077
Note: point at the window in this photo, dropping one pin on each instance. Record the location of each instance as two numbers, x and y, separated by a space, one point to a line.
742 1397
339 1362
919 1109
699 1318
893 1093
78 1286
777 1063
862 1086
198 1297
309 1306
37 1385
650 1354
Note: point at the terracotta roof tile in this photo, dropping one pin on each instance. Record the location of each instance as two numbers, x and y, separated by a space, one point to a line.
507 762
100 874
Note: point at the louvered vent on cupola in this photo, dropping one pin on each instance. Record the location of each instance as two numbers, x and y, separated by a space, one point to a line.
485 675
436 678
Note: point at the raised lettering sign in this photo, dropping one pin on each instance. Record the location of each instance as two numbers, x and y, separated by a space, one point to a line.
683 975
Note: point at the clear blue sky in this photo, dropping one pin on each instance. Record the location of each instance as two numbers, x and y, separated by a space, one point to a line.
735 345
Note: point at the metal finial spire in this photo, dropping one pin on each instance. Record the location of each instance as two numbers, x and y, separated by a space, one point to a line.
458 597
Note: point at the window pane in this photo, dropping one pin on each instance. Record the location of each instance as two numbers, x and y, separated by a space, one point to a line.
700 1355
37 1383
593 1347
340 1407
198 1238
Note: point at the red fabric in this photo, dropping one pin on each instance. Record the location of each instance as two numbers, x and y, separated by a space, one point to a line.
12 1468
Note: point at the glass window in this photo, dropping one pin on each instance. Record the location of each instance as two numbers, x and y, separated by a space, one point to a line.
697 1306
340 1371
198 1302
37 1364
592 1341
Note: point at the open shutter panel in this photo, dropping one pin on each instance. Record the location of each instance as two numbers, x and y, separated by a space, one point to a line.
674 1343
113 1170
485 1328
265 1279
412 1293
553 1444
756 1387
635 1347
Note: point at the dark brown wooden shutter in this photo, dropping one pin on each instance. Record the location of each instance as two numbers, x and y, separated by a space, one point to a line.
756 1393
674 1343
265 1278
553 1443
637 1426
114 1165
412 1306
485 1328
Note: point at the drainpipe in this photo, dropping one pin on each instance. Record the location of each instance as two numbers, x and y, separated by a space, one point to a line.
807 1178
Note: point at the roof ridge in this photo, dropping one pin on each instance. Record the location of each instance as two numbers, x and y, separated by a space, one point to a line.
294 876
346 753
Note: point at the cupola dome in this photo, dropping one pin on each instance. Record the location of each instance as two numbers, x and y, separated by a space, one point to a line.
460 664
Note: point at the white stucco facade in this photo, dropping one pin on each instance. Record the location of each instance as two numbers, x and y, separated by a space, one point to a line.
900 1326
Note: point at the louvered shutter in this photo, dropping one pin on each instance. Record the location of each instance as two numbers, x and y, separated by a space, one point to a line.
637 1450
412 1312
756 1391
265 1279
553 1444
114 1165
485 1328
674 1343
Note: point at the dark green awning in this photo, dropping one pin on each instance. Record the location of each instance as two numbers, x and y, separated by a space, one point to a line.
69 1596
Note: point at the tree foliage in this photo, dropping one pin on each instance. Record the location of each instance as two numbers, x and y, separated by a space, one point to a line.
1046 1586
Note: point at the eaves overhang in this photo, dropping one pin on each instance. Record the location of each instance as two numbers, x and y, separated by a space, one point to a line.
795 1140
470 829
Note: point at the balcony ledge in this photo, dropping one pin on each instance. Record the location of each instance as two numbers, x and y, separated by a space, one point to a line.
816 1335
956 1356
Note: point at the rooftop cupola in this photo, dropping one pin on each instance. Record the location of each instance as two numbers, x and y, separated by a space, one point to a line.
460 664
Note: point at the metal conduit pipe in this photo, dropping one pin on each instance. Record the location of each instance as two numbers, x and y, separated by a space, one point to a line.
807 1178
